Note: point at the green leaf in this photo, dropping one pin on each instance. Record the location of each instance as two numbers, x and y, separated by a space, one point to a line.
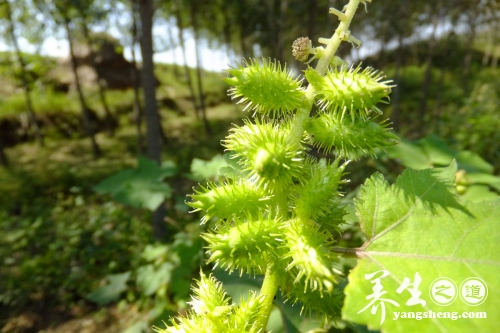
479 193
472 162
201 170
292 320
142 187
117 283
438 151
153 252
139 327
483 178
233 169
418 232
409 154
151 278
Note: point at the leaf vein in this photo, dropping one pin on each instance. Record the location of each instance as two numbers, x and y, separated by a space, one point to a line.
429 257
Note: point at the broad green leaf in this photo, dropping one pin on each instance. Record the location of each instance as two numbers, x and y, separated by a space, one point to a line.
139 327
291 318
275 322
479 193
151 278
201 170
142 187
409 154
433 151
117 283
143 194
233 169
418 232
472 162
438 151
153 252
484 178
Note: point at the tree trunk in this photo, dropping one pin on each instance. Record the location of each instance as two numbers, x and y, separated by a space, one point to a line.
399 63
381 59
194 24
231 55
243 45
280 31
135 81
488 50
180 29
85 111
24 80
153 133
494 61
468 53
440 85
3 158
243 26
427 77
312 19
109 121
172 46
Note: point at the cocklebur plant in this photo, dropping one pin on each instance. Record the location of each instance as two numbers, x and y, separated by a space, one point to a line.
279 217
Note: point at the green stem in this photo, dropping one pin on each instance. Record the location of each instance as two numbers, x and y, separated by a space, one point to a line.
267 291
321 67
270 284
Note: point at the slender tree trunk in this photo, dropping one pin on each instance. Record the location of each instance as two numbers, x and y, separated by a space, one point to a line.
312 19
85 111
180 29
24 80
173 45
272 29
380 57
231 55
243 26
153 134
399 63
382 54
201 95
243 44
427 77
134 73
110 120
100 87
494 61
280 30
468 54
489 48
3 158
495 25
442 73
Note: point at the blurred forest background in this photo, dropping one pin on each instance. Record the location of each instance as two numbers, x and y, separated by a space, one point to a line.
95 238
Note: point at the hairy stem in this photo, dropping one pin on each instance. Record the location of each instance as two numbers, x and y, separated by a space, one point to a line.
268 291
270 284
349 252
321 67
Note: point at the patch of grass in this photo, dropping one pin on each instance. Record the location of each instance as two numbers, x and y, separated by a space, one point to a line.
46 101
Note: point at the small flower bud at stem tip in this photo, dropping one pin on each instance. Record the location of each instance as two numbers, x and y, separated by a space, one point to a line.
301 48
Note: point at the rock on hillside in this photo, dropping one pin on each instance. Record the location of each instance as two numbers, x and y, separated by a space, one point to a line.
107 64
